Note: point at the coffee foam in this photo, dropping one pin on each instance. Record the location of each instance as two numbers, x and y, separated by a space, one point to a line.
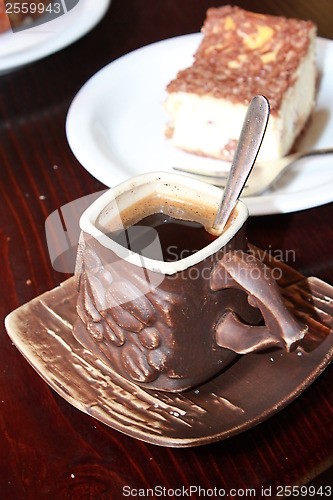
185 209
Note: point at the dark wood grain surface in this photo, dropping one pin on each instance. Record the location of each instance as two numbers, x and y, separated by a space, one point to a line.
48 449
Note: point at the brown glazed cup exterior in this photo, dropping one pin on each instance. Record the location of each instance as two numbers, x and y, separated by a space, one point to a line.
174 325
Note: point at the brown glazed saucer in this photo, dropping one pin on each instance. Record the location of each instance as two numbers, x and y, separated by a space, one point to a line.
255 387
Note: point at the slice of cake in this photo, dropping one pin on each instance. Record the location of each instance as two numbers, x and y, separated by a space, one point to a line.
243 54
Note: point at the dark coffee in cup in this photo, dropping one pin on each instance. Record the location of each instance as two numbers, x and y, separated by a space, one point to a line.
178 238
181 229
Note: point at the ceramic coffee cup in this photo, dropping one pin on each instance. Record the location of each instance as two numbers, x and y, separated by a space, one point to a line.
173 325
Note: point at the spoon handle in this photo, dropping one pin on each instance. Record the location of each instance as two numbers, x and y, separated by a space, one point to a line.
249 143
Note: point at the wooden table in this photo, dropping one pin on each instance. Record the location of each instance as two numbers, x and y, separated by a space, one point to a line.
49 449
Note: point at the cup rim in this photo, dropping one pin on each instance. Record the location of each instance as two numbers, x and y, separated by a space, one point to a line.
90 215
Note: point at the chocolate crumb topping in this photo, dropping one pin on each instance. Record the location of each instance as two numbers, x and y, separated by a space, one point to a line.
243 54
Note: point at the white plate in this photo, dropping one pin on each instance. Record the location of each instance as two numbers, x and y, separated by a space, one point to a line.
115 125
23 47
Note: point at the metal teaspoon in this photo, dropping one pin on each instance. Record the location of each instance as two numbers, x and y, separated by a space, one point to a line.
250 139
